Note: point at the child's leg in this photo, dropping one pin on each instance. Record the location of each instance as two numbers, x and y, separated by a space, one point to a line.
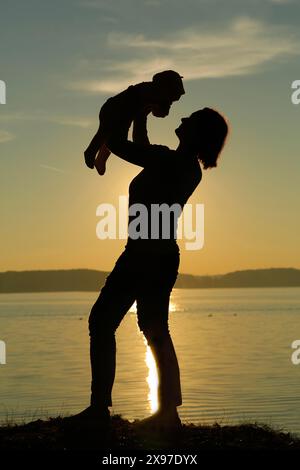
91 152
98 140
111 124
101 159
104 152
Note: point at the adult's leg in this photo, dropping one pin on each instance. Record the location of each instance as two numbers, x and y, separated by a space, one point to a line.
152 310
114 301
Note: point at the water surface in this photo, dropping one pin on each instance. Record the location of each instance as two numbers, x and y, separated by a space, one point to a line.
233 347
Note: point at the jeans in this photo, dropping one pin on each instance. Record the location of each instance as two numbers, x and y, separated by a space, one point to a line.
148 279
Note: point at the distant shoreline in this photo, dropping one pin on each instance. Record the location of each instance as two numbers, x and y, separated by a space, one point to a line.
88 280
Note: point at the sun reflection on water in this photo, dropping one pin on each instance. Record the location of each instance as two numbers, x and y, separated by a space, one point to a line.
172 307
152 379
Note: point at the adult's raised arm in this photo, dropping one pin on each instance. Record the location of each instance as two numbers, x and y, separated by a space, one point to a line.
139 154
139 131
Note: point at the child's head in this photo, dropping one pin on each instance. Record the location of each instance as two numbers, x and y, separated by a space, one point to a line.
168 87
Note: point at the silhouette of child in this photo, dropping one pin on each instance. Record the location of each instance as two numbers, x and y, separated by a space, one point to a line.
132 106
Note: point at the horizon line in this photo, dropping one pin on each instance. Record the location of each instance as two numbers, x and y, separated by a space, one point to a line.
185 274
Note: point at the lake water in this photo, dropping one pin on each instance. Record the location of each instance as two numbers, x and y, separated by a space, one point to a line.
233 346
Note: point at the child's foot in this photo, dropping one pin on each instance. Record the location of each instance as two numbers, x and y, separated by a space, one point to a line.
89 159
101 159
100 166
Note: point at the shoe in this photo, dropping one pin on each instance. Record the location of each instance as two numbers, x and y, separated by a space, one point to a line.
90 417
161 421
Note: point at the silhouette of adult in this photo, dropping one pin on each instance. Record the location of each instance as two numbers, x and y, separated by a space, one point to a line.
147 269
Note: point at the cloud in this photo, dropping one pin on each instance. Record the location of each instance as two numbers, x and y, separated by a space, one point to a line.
52 168
6 136
70 121
152 3
280 2
241 48
55 119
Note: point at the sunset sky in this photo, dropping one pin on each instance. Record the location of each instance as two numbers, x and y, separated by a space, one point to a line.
62 59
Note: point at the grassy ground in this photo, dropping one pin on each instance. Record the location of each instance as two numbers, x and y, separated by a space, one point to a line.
51 435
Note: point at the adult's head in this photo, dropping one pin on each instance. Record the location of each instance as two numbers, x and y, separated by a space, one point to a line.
204 133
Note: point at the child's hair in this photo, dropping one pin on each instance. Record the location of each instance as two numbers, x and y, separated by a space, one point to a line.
209 134
169 81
